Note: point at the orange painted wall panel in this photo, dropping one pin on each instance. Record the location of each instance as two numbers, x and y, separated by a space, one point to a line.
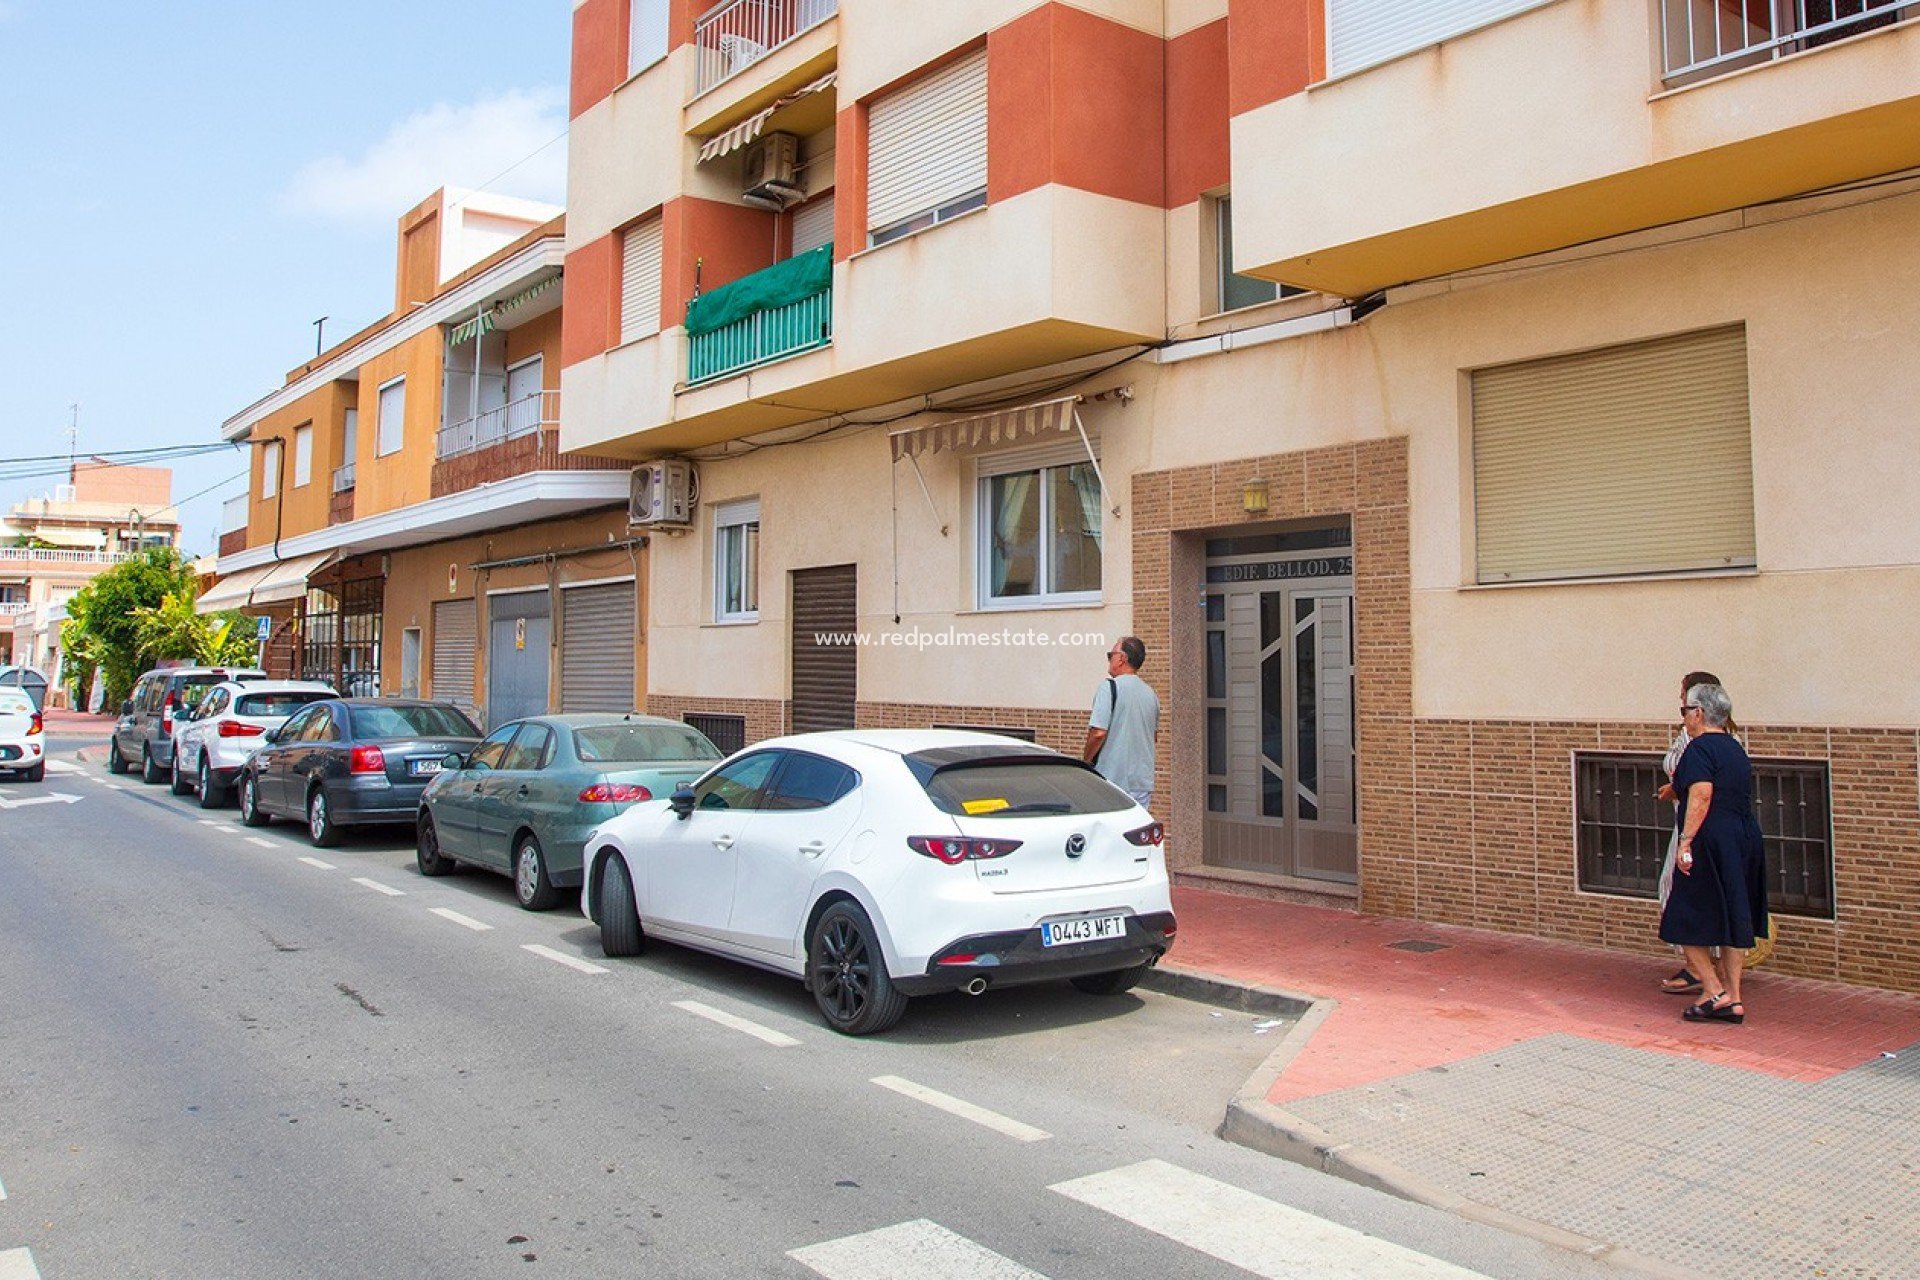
1277 49
1077 100
728 240
849 181
1197 147
599 51
590 321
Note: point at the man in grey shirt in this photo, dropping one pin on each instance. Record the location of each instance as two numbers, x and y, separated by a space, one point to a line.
1126 716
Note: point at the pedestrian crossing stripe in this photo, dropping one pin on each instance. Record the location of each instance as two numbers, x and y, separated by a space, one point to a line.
917 1250
17 1264
1244 1230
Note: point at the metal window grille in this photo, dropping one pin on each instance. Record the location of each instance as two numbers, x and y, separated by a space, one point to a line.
729 733
1704 38
1622 827
340 637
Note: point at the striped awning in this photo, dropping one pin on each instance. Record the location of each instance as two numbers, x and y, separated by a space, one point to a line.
987 430
747 130
478 326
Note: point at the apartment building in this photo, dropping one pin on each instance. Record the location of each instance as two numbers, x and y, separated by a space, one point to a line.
1429 385
54 545
411 526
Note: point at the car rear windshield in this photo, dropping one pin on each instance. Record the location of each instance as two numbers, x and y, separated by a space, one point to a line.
194 688
275 704
411 722
637 743
1009 788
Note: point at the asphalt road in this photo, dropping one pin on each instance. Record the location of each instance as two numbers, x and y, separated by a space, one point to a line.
225 1054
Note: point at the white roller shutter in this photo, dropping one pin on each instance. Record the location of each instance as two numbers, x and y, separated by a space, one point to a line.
596 648
640 280
927 143
1361 33
455 640
813 225
1627 460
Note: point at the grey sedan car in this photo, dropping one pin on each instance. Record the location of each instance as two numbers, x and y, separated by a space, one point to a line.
523 802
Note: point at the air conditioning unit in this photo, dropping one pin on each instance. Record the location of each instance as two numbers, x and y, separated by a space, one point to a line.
772 178
662 492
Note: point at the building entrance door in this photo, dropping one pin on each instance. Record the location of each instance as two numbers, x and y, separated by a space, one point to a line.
1282 794
520 638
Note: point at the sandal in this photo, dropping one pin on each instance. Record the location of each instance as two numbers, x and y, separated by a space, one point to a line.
1714 1011
1682 983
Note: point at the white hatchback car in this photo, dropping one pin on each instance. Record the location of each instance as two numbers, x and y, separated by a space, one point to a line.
229 724
23 737
887 863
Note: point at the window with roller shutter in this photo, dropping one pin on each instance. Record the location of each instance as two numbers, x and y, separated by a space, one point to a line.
927 150
640 248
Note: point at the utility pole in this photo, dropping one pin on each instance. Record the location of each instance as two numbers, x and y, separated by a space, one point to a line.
73 439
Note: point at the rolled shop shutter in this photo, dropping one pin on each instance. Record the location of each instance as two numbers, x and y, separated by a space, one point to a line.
455 640
596 647
927 143
1633 459
825 676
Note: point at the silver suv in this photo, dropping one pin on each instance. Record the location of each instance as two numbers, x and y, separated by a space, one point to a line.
230 724
144 734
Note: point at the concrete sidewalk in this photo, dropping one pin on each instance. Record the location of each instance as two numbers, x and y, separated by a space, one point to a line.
1552 1089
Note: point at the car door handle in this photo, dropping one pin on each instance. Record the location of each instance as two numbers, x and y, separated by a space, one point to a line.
814 848
522 792
723 842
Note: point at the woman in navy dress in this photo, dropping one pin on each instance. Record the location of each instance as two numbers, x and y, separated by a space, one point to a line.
1718 897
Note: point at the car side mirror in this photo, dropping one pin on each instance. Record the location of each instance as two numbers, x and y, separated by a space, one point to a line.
682 802
453 762
126 708
273 734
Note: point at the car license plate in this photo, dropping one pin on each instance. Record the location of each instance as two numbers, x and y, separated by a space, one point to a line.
1060 933
423 768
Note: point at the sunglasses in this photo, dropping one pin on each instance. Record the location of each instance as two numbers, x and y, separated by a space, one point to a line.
1686 707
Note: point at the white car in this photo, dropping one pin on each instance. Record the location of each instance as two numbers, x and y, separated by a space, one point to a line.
23 736
229 724
887 863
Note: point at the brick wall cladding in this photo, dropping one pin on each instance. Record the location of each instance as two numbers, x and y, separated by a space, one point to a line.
1471 821
535 451
765 717
340 507
233 542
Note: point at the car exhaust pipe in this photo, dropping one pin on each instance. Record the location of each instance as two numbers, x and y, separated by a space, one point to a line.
975 986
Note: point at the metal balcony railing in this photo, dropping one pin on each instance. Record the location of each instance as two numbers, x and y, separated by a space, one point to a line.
62 555
343 478
1702 38
14 608
734 35
760 338
509 421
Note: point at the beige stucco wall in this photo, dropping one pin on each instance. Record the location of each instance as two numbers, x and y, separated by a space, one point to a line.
404 477
1813 637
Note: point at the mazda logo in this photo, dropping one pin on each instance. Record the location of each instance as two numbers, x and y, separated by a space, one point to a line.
1076 845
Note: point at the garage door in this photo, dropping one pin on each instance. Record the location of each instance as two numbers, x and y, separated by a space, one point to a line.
455 641
519 649
596 648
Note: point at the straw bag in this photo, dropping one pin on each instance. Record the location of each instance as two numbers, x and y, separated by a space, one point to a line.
1762 949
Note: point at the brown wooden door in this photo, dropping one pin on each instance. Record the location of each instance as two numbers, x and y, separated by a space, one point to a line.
825 674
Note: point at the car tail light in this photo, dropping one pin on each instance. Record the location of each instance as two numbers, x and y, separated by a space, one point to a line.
1151 834
954 850
368 760
239 729
35 725
615 793
166 717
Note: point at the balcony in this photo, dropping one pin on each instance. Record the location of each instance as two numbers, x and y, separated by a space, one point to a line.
509 421
739 33
782 311
343 478
11 556
1704 38
14 608
1542 131
510 456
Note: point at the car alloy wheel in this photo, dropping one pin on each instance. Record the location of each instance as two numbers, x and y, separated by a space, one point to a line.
320 825
849 976
250 811
209 788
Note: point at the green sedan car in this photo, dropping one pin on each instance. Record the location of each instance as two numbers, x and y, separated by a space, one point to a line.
524 800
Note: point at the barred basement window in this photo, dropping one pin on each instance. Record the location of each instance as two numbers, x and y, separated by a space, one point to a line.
1621 829
729 733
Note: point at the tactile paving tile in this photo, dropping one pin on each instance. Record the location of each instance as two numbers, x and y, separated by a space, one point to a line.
1725 1171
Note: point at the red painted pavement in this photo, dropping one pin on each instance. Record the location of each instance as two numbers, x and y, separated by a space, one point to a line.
1400 1011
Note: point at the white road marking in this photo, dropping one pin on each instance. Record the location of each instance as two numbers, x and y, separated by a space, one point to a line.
965 1110
263 843
1248 1231
111 786
377 887
447 913
725 1019
3 1191
315 862
232 830
51 797
561 957
63 766
212 822
17 1264
918 1250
